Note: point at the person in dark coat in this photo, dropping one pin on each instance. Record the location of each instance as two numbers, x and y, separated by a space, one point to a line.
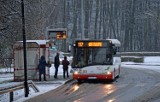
56 64
42 68
65 64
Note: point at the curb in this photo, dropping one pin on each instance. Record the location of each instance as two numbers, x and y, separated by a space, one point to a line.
69 81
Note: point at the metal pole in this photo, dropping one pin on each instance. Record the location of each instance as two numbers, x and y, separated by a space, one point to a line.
64 41
82 18
26 89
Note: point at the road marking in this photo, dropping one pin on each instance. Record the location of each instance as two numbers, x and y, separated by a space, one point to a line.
122 85
158 84
140 85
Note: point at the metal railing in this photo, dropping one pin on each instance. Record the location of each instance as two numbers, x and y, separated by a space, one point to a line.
140 53
11 88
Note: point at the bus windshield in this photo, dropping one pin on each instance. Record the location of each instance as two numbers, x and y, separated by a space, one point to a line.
92 56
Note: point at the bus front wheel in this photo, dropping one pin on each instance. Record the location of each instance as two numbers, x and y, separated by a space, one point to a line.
79 80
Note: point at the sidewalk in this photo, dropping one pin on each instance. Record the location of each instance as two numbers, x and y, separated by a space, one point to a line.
6 80
52 80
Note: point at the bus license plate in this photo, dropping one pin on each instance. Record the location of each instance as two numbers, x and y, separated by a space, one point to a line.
92 77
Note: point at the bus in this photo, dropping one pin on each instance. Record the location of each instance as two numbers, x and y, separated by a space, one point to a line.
96 59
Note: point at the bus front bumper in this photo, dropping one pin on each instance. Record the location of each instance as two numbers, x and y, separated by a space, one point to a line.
92 76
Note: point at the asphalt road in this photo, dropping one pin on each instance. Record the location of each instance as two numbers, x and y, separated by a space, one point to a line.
133 85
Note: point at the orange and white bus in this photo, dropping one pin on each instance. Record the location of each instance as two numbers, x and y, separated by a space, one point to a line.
96 59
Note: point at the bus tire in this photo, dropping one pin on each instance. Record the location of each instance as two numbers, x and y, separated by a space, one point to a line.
118 73
79 80
113 78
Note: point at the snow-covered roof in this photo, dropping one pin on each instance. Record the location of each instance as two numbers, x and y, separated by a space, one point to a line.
58 29
39 42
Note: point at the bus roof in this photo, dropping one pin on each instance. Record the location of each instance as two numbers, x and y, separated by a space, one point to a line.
116 42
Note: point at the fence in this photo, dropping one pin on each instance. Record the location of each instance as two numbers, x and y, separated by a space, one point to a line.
140 53
11 88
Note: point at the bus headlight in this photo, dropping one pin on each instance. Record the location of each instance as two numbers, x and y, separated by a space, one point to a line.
76 72
109 73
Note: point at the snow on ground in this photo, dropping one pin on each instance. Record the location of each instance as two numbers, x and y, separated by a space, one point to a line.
6 77
43 86
150 63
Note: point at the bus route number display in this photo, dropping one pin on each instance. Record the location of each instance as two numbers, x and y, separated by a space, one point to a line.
90 44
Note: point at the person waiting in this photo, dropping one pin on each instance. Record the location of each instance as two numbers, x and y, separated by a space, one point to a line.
65 64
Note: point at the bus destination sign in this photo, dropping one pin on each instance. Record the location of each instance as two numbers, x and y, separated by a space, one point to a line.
89 44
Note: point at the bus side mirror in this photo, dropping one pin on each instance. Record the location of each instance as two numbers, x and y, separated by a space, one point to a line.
114 50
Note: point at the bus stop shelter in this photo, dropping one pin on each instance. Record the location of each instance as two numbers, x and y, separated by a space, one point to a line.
35 49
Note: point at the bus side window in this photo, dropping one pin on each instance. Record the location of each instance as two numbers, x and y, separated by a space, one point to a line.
90 59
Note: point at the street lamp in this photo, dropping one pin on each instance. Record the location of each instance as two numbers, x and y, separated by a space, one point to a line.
82 18
26 89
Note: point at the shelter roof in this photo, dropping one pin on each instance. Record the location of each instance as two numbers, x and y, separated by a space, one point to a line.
39 42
